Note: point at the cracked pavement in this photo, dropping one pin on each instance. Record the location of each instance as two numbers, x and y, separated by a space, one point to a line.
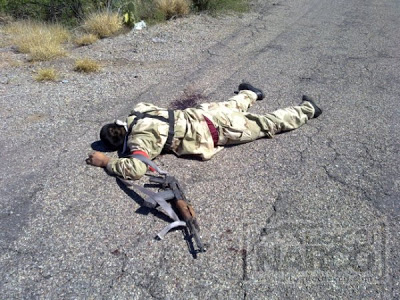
310 214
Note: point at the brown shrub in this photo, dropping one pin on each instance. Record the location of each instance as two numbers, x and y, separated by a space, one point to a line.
173 8
103 24
49 74
42 41
86 39
86 65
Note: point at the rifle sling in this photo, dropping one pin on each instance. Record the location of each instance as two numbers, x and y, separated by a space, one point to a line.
148 162
170 121
160 199
157 198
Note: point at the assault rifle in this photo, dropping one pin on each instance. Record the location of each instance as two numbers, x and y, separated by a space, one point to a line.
181 205
178 209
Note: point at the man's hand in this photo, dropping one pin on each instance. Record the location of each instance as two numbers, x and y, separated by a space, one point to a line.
97 159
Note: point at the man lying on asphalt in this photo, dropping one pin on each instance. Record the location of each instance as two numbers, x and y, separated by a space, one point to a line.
202 130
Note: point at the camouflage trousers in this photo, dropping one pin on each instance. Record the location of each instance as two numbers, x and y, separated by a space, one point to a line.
235 125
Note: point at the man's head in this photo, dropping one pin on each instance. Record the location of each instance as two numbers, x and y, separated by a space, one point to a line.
113 136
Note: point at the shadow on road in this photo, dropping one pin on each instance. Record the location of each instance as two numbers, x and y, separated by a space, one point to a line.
139 200
99 146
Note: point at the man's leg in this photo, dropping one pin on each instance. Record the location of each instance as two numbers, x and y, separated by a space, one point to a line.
284 119
239 103
236 127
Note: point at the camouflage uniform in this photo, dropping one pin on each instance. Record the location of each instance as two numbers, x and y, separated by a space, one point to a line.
192 134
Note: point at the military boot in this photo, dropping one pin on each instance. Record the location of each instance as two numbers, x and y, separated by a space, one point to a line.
248 87
317 110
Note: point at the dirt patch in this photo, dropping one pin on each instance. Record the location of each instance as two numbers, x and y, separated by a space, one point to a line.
36 118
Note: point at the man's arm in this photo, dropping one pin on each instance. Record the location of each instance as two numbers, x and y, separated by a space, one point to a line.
129 168
97 159
147 138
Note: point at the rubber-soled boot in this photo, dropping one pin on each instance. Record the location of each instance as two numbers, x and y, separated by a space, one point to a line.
317 110
248 87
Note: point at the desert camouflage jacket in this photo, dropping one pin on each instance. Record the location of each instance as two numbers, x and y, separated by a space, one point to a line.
192 136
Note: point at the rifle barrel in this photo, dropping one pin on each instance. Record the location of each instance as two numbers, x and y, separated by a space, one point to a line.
196 236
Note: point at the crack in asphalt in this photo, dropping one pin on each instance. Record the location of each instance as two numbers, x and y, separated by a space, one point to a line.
122 271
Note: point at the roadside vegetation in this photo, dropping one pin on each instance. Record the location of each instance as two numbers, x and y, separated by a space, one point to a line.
48 74
45 29
40 40
86 39
173 8
103 24
220 6
86 65
72 12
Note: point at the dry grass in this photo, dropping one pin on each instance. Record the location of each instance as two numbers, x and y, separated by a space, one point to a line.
172 8
7 59
41 41
49 74
86 39
86 65
103 24
5 39
5 19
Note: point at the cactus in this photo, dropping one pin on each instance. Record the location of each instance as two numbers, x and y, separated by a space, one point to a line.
129 14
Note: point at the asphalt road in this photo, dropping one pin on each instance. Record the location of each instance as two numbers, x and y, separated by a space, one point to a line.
310 214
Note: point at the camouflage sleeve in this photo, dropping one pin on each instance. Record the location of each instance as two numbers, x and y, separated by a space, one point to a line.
149 135
128 168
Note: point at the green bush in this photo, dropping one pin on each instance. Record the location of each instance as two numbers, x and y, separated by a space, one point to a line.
72 12
129 14
201 4
215 6
69 12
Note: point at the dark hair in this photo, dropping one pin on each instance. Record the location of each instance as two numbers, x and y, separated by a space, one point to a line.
112 136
